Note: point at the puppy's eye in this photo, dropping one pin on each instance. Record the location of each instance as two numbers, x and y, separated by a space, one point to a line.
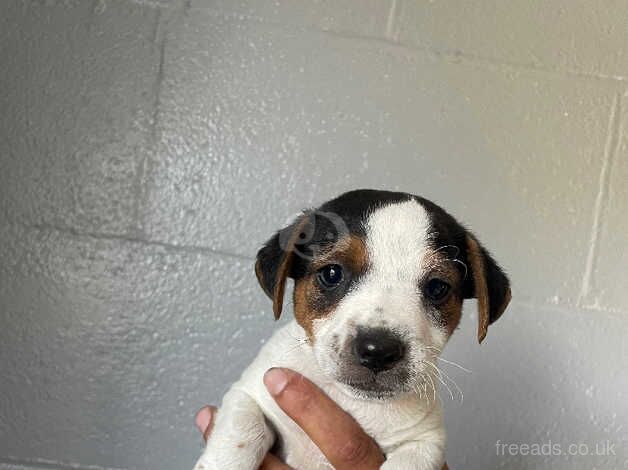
436 290
330 276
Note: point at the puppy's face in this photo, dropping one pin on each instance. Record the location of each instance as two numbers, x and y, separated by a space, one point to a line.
380 278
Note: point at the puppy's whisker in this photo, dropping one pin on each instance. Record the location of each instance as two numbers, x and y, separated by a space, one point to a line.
299 342
451 394
446 361
298 339
441 378
432 351
420 390
433 387
420 387
452 257
425 388
447 377
449 246
423 385
464 265
454 364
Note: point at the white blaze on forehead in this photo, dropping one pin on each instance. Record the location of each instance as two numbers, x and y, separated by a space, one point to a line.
396 240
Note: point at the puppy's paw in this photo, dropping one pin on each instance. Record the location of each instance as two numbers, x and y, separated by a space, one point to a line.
215 459
211 464
240 437
205 464
242 457
422 457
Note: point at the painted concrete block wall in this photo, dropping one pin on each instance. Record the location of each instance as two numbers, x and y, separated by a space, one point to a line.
148 148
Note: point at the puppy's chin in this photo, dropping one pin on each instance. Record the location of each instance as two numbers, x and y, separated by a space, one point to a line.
362 392
383 386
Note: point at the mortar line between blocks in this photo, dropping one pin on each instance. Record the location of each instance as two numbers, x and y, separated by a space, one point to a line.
448 55
192 249
159 40
541 304
38 463
391 32
611 148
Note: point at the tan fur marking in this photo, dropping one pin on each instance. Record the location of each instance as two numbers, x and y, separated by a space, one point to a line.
303 313
284 269
260 278
452 312
476 259
439 265
351 252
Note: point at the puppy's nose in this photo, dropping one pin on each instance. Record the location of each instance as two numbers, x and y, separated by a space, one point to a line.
378 349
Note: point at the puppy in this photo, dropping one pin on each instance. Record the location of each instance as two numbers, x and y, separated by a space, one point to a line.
379 281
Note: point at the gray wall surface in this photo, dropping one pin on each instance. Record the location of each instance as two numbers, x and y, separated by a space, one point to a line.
147 148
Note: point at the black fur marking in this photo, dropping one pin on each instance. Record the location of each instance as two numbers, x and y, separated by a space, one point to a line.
345 215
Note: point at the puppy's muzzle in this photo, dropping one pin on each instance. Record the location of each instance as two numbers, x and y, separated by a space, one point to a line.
378 349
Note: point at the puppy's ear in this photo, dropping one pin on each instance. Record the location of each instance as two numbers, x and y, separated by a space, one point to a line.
275 261
488 284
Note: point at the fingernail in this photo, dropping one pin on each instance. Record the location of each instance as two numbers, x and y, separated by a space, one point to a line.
203 418
275 380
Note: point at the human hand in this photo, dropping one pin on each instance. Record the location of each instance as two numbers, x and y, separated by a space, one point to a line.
339 437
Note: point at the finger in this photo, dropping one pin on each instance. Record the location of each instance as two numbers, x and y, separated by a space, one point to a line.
204 420
273 463
333 430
